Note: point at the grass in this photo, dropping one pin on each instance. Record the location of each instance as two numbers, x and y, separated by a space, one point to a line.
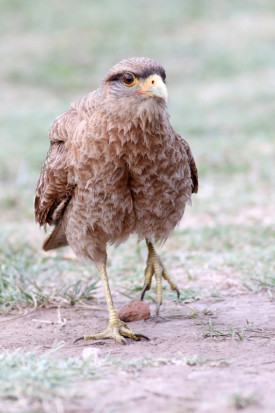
214 332
29 381
241 401
235 333
27 278
32 382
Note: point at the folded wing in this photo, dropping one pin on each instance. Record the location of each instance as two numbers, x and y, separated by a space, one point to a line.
54 188
192 165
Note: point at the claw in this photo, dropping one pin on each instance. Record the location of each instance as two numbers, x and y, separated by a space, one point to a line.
144 289
157 310
155 267
125 331
178 293
142 336
118 331
124 341
78 339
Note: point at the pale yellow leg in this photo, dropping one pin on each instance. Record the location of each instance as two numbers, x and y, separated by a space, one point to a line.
155 266
116 328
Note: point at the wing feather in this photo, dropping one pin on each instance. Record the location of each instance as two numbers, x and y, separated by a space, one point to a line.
192 165
54 191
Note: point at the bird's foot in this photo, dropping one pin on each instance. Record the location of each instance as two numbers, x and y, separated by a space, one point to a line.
155 267
118 331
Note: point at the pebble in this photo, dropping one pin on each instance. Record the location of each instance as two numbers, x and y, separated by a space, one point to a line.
134 310
91 353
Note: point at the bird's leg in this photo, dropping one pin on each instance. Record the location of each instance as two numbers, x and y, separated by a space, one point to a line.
116 328
155 266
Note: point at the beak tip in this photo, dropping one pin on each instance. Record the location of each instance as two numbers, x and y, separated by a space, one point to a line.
155 87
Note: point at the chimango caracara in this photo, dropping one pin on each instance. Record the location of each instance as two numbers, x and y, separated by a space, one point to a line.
116 167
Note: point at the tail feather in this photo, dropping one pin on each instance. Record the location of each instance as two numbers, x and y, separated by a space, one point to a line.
56 239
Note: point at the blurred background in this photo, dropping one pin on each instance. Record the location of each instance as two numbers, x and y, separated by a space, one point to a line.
220 63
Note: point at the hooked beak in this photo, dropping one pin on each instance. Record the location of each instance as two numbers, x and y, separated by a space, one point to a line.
153 86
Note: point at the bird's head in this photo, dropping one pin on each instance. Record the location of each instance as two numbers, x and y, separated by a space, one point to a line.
137 81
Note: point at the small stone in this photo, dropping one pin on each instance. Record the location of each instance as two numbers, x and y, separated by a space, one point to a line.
91 353
134 310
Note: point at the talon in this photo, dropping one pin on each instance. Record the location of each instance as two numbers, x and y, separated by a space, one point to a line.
144 289
178 293
124 341
157 310
155 267
78 339
118 331
142 336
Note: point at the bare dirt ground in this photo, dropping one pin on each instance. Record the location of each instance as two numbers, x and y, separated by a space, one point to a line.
232 369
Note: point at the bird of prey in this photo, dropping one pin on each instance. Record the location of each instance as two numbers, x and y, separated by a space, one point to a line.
116 167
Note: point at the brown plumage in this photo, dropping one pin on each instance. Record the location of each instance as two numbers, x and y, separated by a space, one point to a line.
116 167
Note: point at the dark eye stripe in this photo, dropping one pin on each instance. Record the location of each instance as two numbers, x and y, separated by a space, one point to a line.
143 75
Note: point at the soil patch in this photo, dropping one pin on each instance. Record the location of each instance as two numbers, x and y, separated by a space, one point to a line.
223 352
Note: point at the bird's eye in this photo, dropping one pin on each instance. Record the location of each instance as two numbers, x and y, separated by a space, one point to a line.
128 79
